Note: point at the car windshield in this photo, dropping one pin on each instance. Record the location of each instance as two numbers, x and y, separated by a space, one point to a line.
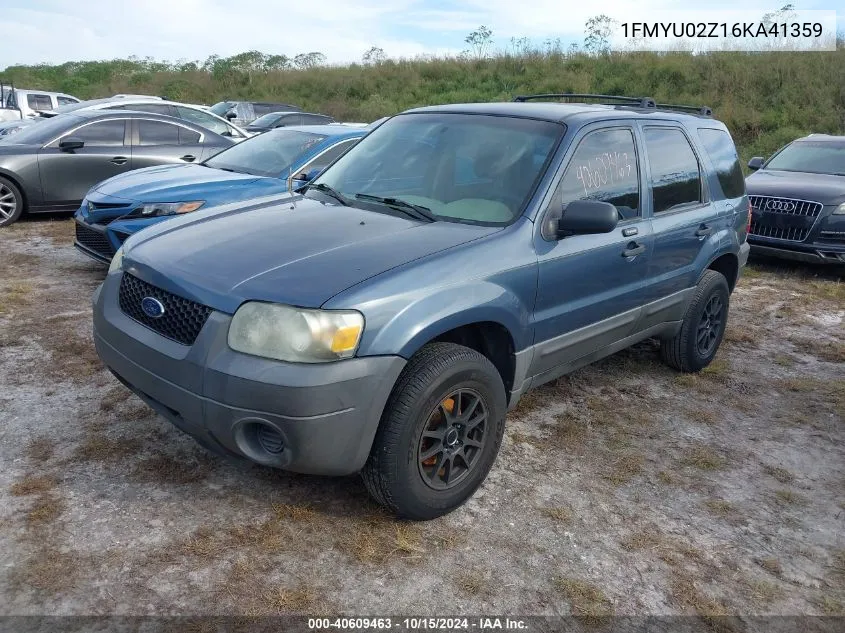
221 108
467 168
270 154
43 131
819 157
267 120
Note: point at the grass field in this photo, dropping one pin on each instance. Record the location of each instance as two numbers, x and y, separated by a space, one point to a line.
766 99
624 488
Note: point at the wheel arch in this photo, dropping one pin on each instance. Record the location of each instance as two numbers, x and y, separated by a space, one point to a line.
13 178
728 265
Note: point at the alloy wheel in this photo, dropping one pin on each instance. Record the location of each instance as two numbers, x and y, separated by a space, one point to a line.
710 325
8 202
452 439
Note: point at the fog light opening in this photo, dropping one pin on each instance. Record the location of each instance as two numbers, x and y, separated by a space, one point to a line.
269 439
260 441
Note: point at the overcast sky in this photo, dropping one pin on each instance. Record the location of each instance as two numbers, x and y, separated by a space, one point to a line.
56 31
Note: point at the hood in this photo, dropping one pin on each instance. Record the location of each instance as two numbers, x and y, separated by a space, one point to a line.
179 183
300 254
8 147
824 188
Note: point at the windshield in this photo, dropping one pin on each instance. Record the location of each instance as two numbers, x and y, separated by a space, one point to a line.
270 154
810 157
267 120
221 108
43 131
469 168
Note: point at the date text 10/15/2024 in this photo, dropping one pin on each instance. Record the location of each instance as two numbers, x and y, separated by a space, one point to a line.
419 624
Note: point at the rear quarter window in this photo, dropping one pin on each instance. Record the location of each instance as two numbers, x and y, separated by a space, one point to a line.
722 152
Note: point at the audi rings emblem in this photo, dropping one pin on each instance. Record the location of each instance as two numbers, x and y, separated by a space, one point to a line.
780 205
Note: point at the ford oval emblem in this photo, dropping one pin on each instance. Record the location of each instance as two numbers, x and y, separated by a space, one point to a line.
152 307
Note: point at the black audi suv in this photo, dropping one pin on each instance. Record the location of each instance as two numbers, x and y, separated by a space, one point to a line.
798 201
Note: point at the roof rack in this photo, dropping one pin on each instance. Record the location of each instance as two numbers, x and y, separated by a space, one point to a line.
702 110
641 102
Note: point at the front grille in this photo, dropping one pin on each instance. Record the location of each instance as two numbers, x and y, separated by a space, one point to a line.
181 320
94 240
99 206
783 218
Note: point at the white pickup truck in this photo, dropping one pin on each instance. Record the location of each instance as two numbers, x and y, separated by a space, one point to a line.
18 103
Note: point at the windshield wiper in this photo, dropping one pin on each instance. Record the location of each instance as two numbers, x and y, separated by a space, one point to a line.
324 188
414 210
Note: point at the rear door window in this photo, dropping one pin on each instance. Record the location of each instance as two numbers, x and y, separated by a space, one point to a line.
675 172
721 149
39 102
157 133
188 137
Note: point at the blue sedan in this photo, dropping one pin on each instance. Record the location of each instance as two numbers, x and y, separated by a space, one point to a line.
270 164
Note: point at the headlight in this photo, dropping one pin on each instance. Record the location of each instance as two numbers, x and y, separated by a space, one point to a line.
293 334
840 210
116 261
157 209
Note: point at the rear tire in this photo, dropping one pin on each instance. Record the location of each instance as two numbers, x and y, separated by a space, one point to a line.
703 327
439 434
11 202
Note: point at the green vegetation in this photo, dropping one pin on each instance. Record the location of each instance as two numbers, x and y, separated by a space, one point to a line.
766 99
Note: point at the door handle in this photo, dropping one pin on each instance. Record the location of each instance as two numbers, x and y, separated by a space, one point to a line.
119 160
189 157
703 231
633 250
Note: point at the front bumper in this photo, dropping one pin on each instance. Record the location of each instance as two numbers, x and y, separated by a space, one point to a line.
823 243
93 241
326 415
802 252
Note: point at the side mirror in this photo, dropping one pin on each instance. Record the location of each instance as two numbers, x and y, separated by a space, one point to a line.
231 116
305 177
756 163
71 143
581 217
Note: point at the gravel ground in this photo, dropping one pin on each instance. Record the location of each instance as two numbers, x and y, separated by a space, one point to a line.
623 488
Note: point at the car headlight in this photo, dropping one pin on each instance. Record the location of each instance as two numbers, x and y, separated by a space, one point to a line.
840 210
116 261
157 209
293 334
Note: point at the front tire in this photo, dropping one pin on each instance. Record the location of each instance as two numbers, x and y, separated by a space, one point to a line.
11 202
439 434
703 327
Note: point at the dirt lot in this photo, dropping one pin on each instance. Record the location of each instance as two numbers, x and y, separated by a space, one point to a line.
624 488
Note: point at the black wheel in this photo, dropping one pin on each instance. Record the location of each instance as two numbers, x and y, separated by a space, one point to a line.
703 327
439 433
11 202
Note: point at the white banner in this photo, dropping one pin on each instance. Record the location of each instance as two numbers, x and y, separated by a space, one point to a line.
699 30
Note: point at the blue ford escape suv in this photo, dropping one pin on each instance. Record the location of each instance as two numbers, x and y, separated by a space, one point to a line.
456 257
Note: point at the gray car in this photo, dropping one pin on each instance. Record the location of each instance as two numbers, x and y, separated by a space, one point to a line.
50 166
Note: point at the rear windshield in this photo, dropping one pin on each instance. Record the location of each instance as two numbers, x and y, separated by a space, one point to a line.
812 157
221 108
272 153
268 119
722 152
